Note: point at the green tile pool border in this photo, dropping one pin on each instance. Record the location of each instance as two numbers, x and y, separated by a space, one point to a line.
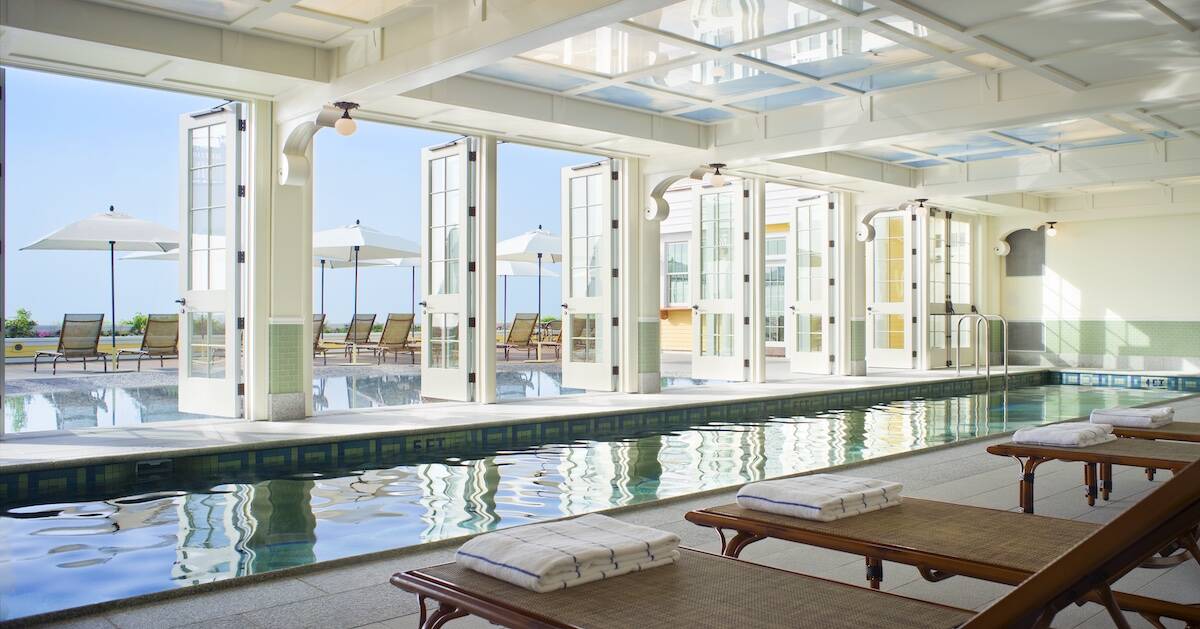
51 483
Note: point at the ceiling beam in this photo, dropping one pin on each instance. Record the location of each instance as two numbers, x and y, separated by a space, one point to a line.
1172 15
455 38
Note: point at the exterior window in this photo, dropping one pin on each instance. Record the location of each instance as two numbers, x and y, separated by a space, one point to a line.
775 296
677 273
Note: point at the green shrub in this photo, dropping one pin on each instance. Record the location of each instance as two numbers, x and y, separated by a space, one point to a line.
21 325
137 324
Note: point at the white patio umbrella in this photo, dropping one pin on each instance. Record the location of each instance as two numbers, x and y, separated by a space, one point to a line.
110 231
322 263
532 246
506 269
411 263
356 242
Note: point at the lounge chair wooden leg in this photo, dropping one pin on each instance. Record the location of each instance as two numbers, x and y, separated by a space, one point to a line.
1155 621
933 576
1114 610
734 547
1089 481
874 572
1189 542
1106 480
444 614
1150 473
1028 467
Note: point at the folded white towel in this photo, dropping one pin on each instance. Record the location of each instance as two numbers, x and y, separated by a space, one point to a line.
1134 417
562 554
824 497
1068 435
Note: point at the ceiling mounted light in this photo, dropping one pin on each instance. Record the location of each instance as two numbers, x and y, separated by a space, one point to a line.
1050 229
716 179
345 125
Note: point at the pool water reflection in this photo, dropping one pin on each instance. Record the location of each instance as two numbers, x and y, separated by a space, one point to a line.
175 534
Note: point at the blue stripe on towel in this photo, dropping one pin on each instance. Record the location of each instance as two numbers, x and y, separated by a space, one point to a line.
783 502
500 564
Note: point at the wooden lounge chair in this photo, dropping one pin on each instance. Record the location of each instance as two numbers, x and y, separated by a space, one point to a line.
520 334
396 338
553 337
79 338
319 346
700 591
359 331
160 338
940 539
1097 462
1175 431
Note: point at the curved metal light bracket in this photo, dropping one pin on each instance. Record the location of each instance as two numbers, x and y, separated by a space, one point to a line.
865 232
294 166
1002 248
659 209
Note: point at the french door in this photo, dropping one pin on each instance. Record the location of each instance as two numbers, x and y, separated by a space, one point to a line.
889 292
950 264
587 278
716 277
806 324
447 187
209 278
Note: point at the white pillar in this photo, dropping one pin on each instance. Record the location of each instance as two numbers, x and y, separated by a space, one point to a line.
485 272
757 269
646 267
629 229
850 283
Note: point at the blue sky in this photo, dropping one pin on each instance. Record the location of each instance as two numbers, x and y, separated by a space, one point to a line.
75 146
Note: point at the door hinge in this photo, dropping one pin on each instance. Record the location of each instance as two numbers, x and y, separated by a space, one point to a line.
914 319
831 244
616 371
616 321
471 156
745 235
241 323
831 358
471 267
745 193
746 362
948 363
614 223
745 320
831 320
241 124
913 216
746 278
914 284
471 377
615 175
949 214
241 388
241 257
831 281
914 251
470 210
914 353
831 205
470 322
241 190
615 273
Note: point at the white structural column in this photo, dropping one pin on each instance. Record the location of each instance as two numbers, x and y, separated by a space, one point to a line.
849 265
630 269
258 260
645 265
485 271
757 269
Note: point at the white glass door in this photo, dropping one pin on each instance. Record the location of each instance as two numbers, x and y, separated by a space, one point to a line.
807 318
716 277
951 285
587 278
446 193
889 293
209 219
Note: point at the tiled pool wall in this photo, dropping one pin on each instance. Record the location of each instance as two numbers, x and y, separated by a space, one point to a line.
1185 384
105 479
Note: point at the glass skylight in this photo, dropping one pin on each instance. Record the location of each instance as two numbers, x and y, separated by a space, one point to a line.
634 98
801 96
724 23
836 51
707 114
608 51
715 79
524 72
905 76
1062 131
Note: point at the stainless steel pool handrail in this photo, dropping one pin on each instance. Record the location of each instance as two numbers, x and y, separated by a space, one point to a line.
981 319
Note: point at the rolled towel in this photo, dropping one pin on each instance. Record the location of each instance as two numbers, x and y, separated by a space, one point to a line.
1068 435
566 553
1134 417
823 497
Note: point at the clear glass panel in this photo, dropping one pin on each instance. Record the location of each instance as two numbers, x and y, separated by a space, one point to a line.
200 188
716 254
960 262
905 76
808 333
636 98
716 334
586 229
937 261
836 52
774 298
216 144
1063 131
206 344
452 340
199 147
723 23
443 220
889 331
585 340
889 259
677 273
608 51
715 79
811 248
524 72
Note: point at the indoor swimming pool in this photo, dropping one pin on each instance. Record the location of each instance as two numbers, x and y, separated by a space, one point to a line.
200 524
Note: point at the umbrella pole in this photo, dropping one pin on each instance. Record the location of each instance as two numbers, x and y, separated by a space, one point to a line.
112 286
539 315
322 287
414 290
355 288
504 321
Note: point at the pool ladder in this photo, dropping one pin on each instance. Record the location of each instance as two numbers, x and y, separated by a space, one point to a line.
981 321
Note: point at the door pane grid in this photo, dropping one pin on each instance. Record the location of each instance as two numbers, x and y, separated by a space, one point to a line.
206 342
444 225
443 340
206 207
716 334
587 224
585 340
716 245
810 255
677 272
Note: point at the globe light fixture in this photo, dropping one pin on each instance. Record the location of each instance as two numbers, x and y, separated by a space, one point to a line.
1050 229
716 179
345 125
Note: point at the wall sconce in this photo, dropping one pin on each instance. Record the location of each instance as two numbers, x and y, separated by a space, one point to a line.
1050 229
716 179
345 125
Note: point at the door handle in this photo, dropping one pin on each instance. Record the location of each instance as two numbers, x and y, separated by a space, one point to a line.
696 308
564 306
182 301
792 308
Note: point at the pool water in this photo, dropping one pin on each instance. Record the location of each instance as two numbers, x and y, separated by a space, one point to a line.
158 537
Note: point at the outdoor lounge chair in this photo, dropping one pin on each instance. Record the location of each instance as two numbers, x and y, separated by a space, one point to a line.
941 540
160 338
553 337
700 591
396 338
520 334
78 338
319 347
359 331
1097 462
